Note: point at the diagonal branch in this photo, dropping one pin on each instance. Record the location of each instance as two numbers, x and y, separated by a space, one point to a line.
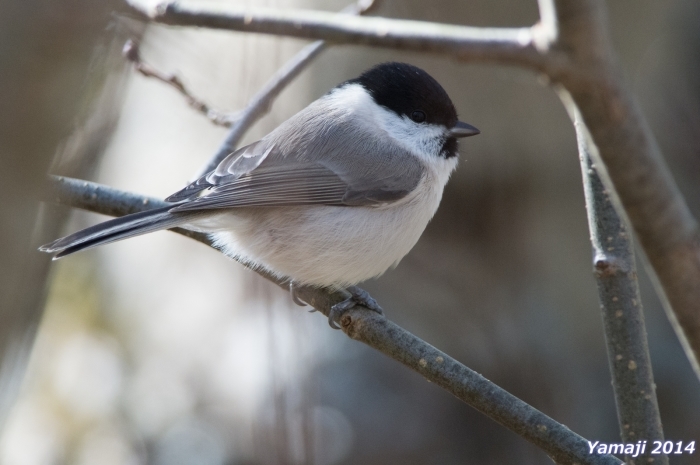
558 441
132 53
262 101
625 332
501 45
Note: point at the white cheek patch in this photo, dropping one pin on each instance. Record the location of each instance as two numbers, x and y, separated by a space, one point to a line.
422 140
425 141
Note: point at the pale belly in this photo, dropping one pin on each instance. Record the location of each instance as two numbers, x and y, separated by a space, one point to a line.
323 245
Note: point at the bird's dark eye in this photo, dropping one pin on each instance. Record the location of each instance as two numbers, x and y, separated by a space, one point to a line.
418 116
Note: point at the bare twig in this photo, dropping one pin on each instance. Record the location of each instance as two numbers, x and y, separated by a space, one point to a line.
502 45
623 318
132 53
261 102
558 441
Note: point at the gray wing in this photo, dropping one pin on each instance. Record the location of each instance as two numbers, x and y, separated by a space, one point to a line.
327 167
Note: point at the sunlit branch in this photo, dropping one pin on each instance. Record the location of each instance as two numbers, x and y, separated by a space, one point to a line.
503 45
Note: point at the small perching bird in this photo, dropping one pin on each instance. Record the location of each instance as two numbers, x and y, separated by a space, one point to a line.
337 194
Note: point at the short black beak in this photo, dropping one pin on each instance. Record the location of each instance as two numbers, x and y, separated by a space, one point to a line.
464 130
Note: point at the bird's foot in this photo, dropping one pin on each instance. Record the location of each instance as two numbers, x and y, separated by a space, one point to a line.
293 290
357 297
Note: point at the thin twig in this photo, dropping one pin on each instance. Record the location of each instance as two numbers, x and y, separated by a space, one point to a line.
261 102
558 441
625 333
132 53
502 45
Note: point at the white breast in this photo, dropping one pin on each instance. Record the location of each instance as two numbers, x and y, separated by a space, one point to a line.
331 246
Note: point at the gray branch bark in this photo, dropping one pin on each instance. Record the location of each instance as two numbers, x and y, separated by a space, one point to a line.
505 45
572 48
634 168
623 318
559 442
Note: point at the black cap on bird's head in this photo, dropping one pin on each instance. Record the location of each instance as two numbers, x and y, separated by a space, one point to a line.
409 91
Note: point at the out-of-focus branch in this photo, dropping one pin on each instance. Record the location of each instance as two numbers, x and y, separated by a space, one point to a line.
502 45
558 441
132 53
56 82
625 333
261 102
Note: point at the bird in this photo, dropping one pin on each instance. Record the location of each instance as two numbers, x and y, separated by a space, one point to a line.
336 195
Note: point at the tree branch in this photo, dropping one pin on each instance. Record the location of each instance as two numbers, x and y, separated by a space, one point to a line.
261 102
500 45
634 168
132 53
625 333
558 441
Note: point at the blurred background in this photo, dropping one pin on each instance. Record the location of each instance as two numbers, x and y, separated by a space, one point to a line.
159 350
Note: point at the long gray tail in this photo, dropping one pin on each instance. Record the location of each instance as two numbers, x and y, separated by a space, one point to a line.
116 230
